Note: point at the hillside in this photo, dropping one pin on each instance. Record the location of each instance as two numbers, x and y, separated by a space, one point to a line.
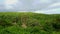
29 23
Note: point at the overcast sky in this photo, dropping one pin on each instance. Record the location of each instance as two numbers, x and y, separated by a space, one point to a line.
43 6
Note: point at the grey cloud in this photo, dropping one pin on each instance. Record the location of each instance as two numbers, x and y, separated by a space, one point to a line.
33 5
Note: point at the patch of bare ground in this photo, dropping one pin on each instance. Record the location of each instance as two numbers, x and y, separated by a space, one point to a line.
24 25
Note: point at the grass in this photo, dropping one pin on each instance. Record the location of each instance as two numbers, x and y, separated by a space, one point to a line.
29 23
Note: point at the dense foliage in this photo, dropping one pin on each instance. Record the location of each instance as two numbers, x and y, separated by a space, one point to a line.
29 23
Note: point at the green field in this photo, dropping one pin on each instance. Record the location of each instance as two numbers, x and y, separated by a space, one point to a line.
29 23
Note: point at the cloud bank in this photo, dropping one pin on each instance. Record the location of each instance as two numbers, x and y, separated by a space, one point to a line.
31 5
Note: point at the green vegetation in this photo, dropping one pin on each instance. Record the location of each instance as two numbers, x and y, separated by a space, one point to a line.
29 23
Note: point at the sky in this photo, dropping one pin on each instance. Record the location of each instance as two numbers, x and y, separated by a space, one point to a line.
37 6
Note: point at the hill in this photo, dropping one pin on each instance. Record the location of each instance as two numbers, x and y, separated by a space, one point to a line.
29 23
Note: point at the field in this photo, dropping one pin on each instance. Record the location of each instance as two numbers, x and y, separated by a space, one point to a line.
29 23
